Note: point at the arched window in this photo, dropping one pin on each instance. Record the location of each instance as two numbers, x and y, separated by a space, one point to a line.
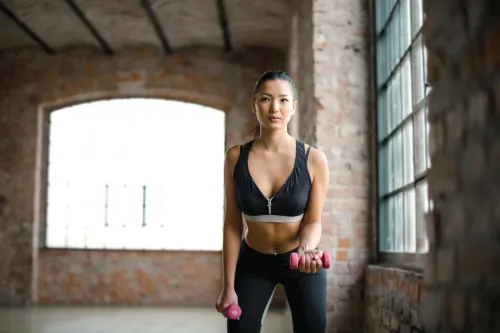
135 174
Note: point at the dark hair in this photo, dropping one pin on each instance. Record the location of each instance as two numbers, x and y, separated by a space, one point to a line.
269 76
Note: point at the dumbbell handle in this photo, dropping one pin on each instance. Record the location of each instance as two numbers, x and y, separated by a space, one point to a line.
295 260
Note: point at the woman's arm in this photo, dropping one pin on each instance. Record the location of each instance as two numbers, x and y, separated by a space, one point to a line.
311 230
233 221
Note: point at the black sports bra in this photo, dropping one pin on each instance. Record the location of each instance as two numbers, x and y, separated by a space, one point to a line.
288 204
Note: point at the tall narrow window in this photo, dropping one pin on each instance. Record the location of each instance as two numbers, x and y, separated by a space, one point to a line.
135 174
402 126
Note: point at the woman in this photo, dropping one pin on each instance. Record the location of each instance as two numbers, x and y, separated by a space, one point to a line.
279 186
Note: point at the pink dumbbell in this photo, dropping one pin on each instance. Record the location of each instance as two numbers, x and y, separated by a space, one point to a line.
233 312
295 260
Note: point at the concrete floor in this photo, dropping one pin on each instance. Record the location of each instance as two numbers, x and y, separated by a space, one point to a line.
122 320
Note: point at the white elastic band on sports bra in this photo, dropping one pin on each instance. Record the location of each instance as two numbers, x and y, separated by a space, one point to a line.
273 218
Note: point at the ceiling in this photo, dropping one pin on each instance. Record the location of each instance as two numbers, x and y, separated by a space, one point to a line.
112 25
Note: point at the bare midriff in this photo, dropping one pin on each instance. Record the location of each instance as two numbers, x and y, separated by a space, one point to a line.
273 238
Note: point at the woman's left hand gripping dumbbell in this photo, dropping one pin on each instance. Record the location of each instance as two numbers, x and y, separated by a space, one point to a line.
227 304
310 261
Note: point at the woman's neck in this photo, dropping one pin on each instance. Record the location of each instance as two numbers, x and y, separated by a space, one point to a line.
274 140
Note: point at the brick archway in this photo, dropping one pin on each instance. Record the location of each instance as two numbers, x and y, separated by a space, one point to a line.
38 84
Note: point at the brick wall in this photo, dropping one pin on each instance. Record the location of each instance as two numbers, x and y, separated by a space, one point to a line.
462 273
392 301
334 111
30 80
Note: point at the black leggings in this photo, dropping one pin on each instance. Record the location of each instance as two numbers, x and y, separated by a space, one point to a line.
257 275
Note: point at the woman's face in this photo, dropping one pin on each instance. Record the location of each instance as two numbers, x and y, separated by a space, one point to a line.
274 104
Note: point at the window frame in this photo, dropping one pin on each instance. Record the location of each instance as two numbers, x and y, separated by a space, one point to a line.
42 175
406 260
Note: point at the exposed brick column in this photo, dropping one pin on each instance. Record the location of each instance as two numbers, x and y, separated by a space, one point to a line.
305 65
462 273
293 65
341 102
333 85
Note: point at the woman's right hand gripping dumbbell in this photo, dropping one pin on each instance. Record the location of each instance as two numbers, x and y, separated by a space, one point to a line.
227 304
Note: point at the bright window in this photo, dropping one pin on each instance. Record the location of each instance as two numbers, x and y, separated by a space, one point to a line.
402 126
135 174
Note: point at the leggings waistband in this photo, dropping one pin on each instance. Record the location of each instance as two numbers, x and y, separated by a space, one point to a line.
249 251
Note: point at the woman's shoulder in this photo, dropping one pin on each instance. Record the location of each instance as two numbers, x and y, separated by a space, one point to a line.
233 152
314 154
